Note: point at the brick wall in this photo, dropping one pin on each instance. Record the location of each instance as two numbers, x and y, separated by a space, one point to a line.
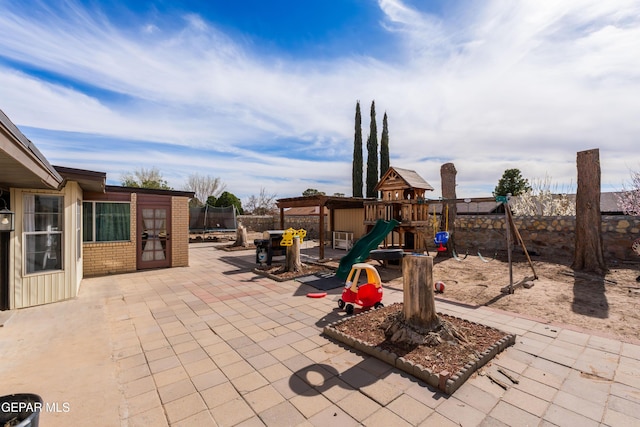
109 258
179 231
112 257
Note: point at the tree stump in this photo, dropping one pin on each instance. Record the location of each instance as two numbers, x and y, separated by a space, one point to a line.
293 262
418 323
419 305
241 236
588 251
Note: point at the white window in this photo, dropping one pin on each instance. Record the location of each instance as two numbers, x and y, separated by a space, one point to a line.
43 232
78 230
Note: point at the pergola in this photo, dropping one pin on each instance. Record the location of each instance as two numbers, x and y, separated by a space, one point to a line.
330 202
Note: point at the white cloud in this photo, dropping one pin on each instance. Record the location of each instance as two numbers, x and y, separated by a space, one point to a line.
488 87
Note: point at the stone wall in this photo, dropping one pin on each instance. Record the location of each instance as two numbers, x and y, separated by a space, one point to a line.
547 236
259 222
308 222
266 222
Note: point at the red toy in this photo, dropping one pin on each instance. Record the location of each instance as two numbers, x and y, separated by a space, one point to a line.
366 295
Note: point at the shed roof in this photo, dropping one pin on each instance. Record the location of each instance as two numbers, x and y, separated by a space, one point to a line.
158 192
88 180
332 202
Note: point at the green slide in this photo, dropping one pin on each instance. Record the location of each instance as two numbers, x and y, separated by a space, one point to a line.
360 251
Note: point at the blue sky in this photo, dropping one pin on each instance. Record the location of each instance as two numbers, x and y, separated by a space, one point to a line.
262 93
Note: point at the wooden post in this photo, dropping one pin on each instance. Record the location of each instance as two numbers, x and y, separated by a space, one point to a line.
281 218
321 232
519 237
449 208
419 306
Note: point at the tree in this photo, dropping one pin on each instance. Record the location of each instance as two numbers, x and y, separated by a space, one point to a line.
589 252
629 199
263 204
540 199
512 183
228 199
312 192
372 154
211 200
145 178
384 147
356 173
204 186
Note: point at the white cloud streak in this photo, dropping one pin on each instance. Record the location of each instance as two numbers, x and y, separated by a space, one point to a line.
507 84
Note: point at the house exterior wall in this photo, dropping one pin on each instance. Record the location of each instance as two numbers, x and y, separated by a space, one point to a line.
26 290
179 231
121 257
351 220
101 258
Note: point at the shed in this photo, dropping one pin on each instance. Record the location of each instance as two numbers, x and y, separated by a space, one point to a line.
332 203
67 223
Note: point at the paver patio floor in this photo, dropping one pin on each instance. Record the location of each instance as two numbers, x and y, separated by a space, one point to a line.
214 344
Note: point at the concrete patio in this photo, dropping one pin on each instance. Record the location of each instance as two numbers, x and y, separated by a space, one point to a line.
214 344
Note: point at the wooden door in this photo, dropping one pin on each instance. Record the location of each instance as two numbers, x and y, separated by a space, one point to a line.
154 233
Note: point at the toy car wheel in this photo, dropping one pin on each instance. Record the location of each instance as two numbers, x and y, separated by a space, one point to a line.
349 309
378 305
340 304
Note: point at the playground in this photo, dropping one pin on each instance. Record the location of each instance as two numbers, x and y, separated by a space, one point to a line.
559 296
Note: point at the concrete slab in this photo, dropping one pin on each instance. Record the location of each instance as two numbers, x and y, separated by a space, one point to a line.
215 344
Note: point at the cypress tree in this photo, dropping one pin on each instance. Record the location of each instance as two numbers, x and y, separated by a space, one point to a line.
384 147
372 154
356 173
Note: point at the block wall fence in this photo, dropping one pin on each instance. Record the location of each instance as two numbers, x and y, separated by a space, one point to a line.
548 236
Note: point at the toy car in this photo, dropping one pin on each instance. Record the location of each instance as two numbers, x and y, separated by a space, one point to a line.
365 295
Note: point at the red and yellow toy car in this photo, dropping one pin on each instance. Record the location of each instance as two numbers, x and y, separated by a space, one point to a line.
368 294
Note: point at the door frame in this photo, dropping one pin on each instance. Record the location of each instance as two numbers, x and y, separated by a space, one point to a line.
5 300
147 201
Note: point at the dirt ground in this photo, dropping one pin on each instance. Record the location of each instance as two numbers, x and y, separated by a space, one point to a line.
559 296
